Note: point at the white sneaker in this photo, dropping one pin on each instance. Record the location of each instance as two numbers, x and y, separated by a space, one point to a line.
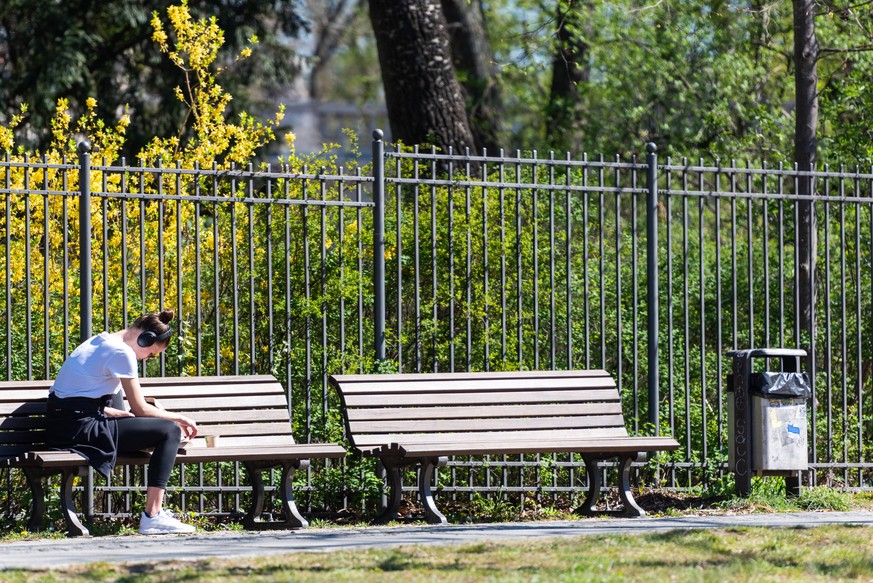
163 523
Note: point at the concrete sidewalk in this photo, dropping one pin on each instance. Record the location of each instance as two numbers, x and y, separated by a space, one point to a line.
142 549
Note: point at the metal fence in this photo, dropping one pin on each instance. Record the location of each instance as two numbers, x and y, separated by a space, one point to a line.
439 261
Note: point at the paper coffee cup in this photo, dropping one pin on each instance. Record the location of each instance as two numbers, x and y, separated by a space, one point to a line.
211 440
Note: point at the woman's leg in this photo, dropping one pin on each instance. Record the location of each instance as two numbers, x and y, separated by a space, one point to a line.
154 500
137 433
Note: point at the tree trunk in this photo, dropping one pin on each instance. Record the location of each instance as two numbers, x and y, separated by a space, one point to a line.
424 99
806 51
569 71
472 56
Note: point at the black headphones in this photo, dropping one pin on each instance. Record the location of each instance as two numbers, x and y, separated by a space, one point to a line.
148 337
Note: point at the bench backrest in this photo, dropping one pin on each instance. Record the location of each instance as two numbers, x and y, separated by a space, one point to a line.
242 410
492 406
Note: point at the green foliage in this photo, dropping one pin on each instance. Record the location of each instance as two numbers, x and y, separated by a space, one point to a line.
704 78
824 498
77 50
492 509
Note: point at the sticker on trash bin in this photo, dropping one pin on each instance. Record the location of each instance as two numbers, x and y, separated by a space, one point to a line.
793 429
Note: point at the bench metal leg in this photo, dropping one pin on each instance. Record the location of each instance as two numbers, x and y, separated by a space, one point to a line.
68 510
595 484
631 508
395 494
293 518
34 477
37 493
425 476
253 516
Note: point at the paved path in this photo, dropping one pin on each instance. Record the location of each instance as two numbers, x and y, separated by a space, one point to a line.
139 549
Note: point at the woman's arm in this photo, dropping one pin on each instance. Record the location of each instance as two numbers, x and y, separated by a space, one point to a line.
141 408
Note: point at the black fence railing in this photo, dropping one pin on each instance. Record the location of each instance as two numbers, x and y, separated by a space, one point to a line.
433 261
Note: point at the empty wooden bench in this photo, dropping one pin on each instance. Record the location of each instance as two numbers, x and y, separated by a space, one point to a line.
249 413
408 419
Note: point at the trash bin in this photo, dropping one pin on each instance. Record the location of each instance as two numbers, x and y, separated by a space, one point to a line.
779 430
767 421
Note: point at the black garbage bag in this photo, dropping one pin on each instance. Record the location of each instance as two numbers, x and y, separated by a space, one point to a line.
781 384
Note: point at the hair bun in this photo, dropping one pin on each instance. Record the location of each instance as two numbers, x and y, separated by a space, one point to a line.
166 316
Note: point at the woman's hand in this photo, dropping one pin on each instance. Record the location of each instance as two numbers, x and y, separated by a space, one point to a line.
113 412
188 425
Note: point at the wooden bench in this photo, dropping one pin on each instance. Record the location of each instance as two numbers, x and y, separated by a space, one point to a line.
249 413
410 419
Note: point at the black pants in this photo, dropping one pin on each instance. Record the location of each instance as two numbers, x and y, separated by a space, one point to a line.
137 433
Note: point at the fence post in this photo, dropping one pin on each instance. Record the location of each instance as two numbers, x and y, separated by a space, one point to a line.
379 246
85 290
652 280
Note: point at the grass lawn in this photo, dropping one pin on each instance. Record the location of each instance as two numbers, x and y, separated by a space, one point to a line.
824 553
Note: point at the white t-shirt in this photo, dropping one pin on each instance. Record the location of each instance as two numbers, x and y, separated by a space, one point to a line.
95 368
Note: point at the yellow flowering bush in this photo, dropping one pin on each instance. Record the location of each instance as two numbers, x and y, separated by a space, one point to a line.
146 250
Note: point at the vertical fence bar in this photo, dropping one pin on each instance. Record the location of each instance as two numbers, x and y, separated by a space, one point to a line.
451 247
84 150
671 397
416 228
635 292
398 255
104 204
8 250
66 255
28 298
503 272
46 216
486 327
652 300
468 267
718 291
379 245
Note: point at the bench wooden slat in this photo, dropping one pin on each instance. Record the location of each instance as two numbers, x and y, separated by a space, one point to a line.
205 403
479 385
24 437
32 407
238 416
22 395
15 451
261 453
496 398
207 381
526 424
229 441
366 439
481 412
350 380
53 458
594 445
278 429
181 391
13 423
27 385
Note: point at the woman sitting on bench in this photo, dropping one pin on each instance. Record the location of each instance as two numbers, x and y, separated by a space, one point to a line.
81 417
